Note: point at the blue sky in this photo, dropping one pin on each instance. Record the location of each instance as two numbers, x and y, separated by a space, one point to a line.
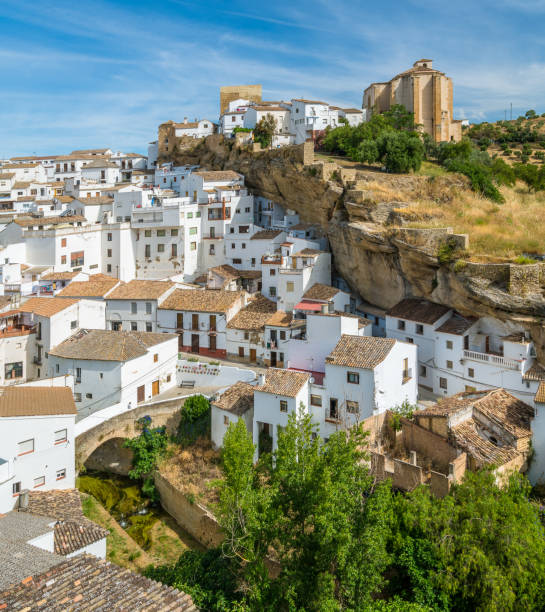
79 74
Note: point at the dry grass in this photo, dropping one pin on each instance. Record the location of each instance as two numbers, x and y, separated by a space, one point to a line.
193 470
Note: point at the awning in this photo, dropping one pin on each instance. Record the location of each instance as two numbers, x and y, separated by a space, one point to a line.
310 306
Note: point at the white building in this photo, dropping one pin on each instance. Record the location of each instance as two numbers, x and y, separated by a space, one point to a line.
236 402
281 115
200 128
245 332
116 367
36 441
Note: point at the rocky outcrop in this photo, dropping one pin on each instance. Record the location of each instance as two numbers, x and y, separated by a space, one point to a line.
380 259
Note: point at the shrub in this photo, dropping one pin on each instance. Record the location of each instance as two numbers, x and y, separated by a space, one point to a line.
523 260
460 265
447 252
194 420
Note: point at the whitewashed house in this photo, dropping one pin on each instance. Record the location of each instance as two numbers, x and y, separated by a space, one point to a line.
115 367
200 128
200 317
235 403
37 442
320 297
17 348
281 116
101 171
245 332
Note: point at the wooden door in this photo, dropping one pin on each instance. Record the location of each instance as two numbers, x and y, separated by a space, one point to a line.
179 320
241 351
212 342
253 355
273 359
213 322
155 387
141 393
195 321
195 343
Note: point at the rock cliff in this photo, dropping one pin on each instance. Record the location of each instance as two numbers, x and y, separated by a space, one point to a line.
380 259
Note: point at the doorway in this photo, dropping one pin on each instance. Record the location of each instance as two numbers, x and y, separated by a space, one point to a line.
155 387
253 355
195 345
141 393
273 359
212 342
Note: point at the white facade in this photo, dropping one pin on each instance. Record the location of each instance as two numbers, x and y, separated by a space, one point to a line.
194 129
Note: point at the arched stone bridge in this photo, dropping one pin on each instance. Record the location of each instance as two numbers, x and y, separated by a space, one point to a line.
123 426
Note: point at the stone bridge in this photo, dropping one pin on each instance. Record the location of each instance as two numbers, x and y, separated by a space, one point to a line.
123 426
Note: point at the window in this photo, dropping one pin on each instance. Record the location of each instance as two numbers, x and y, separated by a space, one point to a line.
147 233
272 272
89 395
173 250
190 215
243 229
315 400
352 407
77 397
73 324
226 420
174 232
78 375
212 250
272 291
160 248
449 344
290 286
449 365
233 245
25 447
57 368
161 232
409 340
253 262
156 357
109 253
283 406
243 245
147 250
471 372
247 209
101 375
16 488
133 307
60 474
192 246
401 325
148 307
13 370
63 259
61 436
63 242
422 371
419 329
134 326
76 258
108 267
282 335
443 383
39 482
109 237
353 378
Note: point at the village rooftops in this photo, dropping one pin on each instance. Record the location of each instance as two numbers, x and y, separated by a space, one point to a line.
321 292
98 285
22 184
266 234
309 101
365 352
308 253
201 300
106 345
19 401
54 276
5 176
419 310
99 163
539 397
85 580
212 176
46 307
90 151
226 271
141 290
283 382
281 319
96 201
46 221
457 324
254 316
237 399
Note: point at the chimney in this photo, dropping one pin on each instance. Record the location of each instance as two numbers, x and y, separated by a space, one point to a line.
324 308
260 379
185 119
412 460
330 307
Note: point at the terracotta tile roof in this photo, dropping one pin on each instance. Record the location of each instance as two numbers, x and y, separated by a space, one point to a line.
280 319
360 351
106 345
210 176
352 110
308 253
99 164
65 199
321 292
4 176
59 276
45 221
467 436
309 101
140 290
226 271
22 166
85 580
21 184
96 201
457 324
46 307
539 397
89 288
16 401
254 316
201 300
266 234
71 536
534 372
283 382
89 151
419 310
238 398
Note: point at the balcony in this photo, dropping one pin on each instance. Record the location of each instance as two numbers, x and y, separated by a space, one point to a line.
37 360
496 360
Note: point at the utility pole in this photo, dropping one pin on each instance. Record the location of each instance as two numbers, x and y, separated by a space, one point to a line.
511 111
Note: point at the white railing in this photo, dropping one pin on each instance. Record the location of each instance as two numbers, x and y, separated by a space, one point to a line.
505 362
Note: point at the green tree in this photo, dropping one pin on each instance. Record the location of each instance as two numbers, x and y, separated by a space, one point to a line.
194 420
265 130
401 151
532 175
147 448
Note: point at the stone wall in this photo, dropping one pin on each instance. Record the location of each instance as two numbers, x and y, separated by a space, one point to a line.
524 280
439 484
191 516
428 444
406 475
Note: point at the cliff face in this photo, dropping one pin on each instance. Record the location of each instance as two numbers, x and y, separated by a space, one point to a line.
380 259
